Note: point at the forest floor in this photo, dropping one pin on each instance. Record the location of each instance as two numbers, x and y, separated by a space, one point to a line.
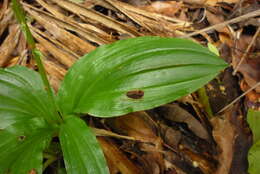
205 132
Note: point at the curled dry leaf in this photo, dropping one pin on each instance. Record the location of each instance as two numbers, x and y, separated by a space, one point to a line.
224 135
153 162
232 135
117 160
170 136
175 113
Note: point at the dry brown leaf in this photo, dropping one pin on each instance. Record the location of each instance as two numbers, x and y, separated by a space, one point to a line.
168 8
153 162
87 31
170 136
216 19
6 20
119 5
251 65
175 113
224 135
55 73
253 98
61 55
136 126
210 2
206 165
118 162
105 20
74 43
3 8
9 44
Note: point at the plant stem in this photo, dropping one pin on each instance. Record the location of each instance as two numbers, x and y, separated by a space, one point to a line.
204 100
50 160
20 16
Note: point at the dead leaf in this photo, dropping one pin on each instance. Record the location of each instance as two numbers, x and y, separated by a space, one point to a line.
9 44
216 19
118 162
168 8
251 65
224 135
135 125
175 113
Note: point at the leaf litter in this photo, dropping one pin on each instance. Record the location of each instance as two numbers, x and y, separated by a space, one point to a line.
177 138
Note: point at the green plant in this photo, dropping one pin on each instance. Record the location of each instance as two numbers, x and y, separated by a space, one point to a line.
126 76
253 118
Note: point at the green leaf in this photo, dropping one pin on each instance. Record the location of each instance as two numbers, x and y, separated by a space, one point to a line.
81 151
254 158
21 146
253 119
136 74
213 49
22 96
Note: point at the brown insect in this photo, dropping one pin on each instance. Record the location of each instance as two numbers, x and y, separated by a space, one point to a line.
135 94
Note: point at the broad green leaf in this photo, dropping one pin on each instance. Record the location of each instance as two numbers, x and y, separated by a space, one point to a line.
136 74
21 146
22 96
254 158
81 151
253 119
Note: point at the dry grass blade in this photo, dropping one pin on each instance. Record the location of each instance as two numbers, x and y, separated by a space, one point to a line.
118 162
238 98
106 133
247 50
157 26
88 32
58 53
107 21
70 53
9 44
55 72
120 5
73 42
3 9
223 24
6 20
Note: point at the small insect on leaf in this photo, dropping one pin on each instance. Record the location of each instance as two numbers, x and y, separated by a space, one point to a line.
135 94
33 171
21 138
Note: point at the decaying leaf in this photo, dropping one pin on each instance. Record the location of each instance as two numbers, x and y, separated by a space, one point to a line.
175 113
224 135
168 8
117 160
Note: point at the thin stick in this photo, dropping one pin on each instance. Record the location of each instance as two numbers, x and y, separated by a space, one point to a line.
238 98
20 16
223 24
247 50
